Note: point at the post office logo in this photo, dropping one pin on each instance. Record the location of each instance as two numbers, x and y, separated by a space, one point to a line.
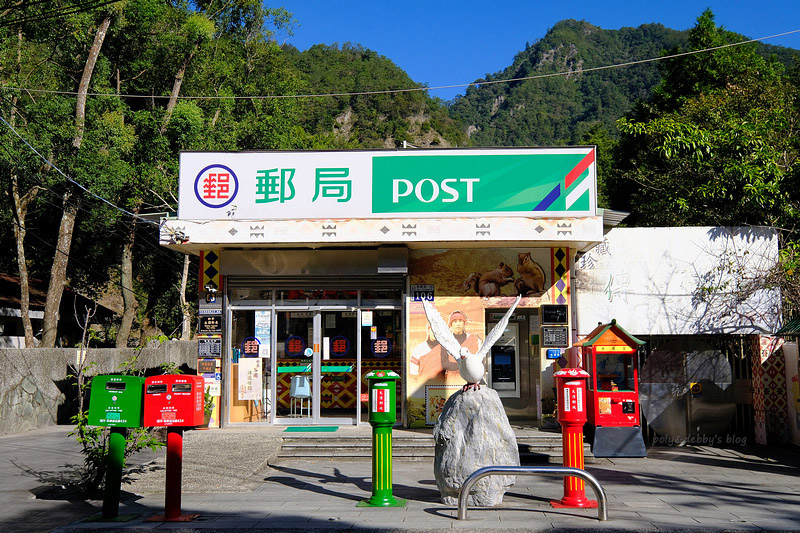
216 186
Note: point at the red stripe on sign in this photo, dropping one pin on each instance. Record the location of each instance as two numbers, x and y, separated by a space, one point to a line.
578 170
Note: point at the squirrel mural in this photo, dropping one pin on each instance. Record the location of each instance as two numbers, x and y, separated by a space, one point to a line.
532 278
490 283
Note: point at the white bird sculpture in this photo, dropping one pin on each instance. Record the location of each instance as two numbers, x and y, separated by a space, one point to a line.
470 365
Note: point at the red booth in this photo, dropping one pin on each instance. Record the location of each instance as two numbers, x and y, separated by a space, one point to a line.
610 355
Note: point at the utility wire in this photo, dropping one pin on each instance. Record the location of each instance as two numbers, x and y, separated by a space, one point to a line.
419 89
72 181
53 13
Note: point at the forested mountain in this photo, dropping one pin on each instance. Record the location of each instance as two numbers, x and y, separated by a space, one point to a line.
564 109
367 120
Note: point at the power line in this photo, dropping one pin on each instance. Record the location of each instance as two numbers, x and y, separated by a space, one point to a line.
70 180
417 89
53 13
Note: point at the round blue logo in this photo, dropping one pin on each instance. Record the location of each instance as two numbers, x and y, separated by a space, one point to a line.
216 186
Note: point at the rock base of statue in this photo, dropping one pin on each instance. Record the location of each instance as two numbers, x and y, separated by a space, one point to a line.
473 432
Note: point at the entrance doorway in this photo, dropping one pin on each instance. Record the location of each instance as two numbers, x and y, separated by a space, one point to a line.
317 366
309 363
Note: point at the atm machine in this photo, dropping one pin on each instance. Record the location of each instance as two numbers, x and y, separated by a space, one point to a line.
504 363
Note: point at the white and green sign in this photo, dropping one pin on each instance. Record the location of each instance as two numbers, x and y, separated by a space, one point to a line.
546 182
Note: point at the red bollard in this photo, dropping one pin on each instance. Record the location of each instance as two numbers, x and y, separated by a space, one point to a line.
571 390
172 496
174 401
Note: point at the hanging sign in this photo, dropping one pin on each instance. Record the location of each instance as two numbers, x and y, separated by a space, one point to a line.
210 346
366 318
249 379
555 336
209 324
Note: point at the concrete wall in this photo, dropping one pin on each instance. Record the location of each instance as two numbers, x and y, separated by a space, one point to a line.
36 390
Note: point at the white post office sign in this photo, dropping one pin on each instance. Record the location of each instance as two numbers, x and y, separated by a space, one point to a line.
531 182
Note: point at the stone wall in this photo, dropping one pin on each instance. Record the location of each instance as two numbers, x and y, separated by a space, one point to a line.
36 389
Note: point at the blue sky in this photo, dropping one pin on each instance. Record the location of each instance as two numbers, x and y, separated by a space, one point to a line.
448 43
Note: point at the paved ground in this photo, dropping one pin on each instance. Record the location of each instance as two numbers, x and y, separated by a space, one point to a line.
228 481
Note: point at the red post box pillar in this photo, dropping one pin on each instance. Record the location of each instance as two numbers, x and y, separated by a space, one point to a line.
571 390
174 401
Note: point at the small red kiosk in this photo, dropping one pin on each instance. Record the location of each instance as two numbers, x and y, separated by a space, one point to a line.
610 355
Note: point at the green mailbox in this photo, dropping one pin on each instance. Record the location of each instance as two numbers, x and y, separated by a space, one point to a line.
382 416
382 397
116 401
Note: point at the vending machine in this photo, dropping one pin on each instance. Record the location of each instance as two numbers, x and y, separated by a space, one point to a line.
609 354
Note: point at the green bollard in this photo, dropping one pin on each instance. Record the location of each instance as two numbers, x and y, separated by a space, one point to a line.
114 463
382 416
115 402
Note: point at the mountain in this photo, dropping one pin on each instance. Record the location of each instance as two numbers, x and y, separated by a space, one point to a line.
565 109
561 109
367 120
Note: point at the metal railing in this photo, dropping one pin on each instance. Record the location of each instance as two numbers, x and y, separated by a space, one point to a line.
463 493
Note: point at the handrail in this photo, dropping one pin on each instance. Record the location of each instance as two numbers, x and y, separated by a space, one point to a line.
463 492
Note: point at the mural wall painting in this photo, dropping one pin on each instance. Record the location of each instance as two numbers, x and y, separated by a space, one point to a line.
466 283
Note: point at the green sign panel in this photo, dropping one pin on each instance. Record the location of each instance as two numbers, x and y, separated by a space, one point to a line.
536 183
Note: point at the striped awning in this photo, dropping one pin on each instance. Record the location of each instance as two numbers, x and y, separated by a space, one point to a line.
790 329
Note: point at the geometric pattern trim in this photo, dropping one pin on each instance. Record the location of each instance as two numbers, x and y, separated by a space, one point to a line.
759 413
209 269
559 263
776 408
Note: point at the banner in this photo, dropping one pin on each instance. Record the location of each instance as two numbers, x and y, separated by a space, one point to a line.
249 378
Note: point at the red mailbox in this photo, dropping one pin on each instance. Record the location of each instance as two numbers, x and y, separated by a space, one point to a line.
173 400
571 387
571 390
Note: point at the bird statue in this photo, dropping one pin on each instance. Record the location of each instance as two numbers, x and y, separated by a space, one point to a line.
470 365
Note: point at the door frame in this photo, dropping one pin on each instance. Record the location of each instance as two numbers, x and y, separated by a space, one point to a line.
316 417
318 310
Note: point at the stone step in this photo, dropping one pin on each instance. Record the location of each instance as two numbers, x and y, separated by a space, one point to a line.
534 447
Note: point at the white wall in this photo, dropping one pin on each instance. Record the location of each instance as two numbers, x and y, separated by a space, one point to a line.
652 281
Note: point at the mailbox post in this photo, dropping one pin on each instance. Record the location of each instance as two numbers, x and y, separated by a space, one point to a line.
571 390
382 416
115 402
174 401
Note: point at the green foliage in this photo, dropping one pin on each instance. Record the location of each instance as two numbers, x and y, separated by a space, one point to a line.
208 402
717 144
704 152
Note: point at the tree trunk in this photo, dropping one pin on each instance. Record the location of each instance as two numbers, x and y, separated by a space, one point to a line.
126 284
176 89
86 78
20 229
186 326
58 272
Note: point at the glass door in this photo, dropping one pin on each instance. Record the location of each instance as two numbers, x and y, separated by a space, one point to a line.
317 361
337 386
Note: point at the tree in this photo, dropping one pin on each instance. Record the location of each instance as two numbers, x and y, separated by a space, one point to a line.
717 144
